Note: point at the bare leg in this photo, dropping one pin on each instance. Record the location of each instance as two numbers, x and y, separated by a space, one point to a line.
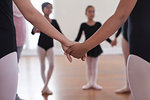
42 55
95 73
89 74
138 73
8 76
50 56
125 49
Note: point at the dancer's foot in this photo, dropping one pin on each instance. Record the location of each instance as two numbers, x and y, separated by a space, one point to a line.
123 90
46 92
86 87
97 87
49 92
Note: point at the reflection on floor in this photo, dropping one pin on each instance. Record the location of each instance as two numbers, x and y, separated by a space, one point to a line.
68 79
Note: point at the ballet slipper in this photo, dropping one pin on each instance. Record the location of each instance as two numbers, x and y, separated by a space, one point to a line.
46 92
123 90
139 81
43 92
97 87
86 87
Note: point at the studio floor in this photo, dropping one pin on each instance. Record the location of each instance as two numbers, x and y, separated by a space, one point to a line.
68 79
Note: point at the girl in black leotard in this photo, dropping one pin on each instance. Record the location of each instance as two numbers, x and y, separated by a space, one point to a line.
89 28
125 49
45 48
8 55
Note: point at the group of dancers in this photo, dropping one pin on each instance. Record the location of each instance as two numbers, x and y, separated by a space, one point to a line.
132 14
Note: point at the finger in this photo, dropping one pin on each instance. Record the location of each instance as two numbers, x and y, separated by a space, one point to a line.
69 50
69 57
84 57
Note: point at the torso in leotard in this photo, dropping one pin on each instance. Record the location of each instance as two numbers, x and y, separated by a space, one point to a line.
89 31
139 30
45 41
7 29
125 30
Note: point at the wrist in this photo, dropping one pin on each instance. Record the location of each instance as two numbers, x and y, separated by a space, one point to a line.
85 46
66 42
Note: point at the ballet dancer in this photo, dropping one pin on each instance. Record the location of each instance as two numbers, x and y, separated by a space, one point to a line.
139 59
45 48
89 28
8 47
125 49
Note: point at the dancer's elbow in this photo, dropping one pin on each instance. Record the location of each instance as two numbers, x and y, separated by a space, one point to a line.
121 17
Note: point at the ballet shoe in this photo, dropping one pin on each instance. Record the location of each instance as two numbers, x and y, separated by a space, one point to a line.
97 87
123 91
86 87
49 92
46 92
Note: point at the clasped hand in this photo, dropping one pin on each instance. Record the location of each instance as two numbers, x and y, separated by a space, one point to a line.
74 49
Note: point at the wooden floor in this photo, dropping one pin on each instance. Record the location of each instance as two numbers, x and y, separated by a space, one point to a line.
68 79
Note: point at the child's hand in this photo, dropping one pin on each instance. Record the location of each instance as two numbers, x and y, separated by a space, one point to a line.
114 42
36 30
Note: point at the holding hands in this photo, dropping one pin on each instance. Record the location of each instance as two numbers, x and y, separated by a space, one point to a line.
74 49
114 42
77 50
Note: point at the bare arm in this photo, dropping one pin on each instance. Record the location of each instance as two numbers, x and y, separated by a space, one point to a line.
109 27
34 16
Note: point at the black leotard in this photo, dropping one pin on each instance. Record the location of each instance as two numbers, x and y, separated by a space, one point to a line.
139 30
45 41
7 29
125 30
89 31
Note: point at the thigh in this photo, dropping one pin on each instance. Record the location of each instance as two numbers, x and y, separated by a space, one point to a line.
138 73
42 54
8 76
